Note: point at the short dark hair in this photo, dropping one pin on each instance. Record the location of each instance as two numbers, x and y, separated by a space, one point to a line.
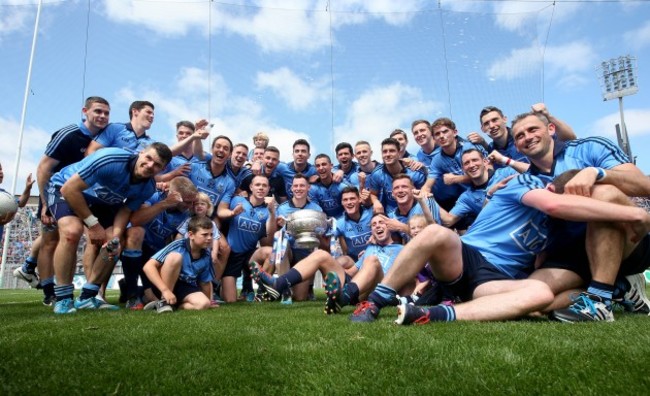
301 176
163 151
272 149
301 142
323 155
199 223
222 137
139 105
414 123
241 145
399 132
350 189
95 99
472 150
562 179
489 109
443 121
186 124
343 145
390 141
520 117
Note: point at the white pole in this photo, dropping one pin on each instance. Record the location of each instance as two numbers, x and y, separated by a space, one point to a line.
624 137
20 139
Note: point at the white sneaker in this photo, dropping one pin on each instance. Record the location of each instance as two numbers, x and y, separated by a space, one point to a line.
32 279
636 299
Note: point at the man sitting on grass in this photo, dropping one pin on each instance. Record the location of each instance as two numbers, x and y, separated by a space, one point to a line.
489 264
182 271
343 287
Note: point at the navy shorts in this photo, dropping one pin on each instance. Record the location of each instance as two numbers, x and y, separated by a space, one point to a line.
237 262
60 208
573 257
476 271
297 255
183 289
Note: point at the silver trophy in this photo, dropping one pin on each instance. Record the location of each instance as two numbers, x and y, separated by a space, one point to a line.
306 225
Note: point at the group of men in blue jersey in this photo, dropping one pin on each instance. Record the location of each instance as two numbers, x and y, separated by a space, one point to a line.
536 221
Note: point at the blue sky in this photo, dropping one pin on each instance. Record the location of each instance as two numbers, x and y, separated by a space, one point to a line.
343 71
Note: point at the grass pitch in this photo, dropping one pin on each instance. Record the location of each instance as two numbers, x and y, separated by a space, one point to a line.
271 349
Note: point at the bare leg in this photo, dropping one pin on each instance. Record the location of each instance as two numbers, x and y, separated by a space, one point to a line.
437 245
229 289
507 299
65 254
195 301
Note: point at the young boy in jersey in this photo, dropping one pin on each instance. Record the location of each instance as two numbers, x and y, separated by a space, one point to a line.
182 271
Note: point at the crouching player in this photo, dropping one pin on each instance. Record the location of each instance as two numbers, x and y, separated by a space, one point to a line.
182 271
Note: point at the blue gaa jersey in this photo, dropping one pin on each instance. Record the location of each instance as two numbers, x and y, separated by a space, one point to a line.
68 145
288 171
385 254
238 177
509 150
220 188
350 177
163 226
580 154
248 227
356 234
193 271
286 208
381 183
442 163
470 202
179 160
426 158
416 209
107 173
328 197
123 136
508 233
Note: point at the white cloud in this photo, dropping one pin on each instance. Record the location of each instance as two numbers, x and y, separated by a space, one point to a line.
638 38
637 121
237 117
299 93
275 26
13 19
567 64
378 111
31 153
520 16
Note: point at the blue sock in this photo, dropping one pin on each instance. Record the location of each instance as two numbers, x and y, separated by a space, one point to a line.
602 290
63 291
131 265
48 286
286 281
442 313
89 290
383 296
350 294
29 265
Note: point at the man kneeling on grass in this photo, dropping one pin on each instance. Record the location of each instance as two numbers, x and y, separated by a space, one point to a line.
182 271
343 286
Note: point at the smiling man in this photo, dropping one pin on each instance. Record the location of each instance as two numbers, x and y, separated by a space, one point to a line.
99 192
131 136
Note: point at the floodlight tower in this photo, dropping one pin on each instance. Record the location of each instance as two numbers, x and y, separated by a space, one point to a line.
617 79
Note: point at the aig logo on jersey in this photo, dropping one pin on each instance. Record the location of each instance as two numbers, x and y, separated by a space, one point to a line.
529 237
361 240
248 225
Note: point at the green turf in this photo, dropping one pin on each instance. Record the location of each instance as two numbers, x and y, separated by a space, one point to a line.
273 349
